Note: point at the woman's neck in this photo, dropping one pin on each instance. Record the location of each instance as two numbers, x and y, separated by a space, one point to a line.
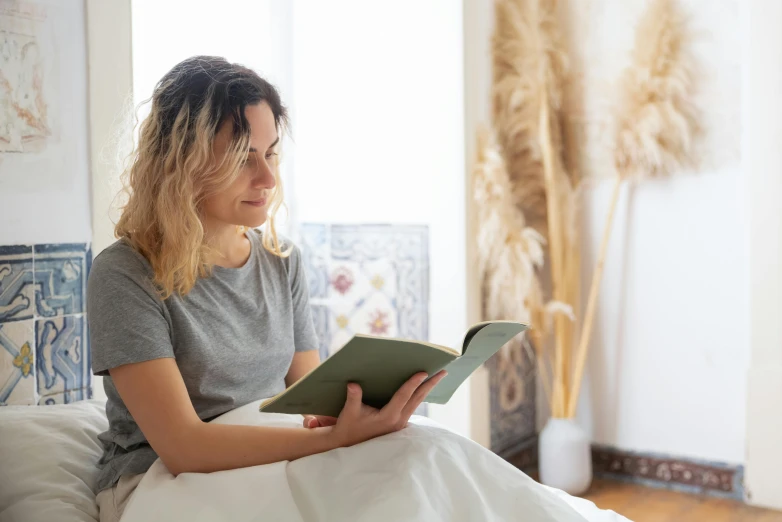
232 247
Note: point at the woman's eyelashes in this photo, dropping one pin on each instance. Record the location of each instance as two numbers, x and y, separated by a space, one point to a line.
250 160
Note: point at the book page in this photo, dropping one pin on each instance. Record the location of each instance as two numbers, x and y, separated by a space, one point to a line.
480 345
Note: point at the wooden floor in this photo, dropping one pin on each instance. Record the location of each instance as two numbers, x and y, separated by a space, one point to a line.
641 504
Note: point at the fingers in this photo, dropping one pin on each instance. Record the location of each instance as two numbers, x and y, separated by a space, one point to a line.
318 421
420 394
324 420
403 394
352 408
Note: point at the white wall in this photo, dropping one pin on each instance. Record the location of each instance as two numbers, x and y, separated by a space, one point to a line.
478 23
378 94
110 88
763 132
44 195
667 371
253 33
164 34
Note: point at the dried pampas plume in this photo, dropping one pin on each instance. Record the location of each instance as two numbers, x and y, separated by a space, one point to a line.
528 66
657 118
509 252
529 73
656 126
510 255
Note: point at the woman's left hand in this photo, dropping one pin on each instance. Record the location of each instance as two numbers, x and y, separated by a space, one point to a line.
318 421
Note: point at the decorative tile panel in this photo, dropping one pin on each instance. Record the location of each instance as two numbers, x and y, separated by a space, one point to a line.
17 363
17 291
66 397
371 279
44 352
61 278
62 356
315 256
321 317
367 279
512 399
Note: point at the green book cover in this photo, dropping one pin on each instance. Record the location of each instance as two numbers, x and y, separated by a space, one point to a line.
381 365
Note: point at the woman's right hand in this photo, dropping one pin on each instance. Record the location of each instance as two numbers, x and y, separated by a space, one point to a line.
358 422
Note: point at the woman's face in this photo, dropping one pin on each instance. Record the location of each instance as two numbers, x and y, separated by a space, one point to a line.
246 200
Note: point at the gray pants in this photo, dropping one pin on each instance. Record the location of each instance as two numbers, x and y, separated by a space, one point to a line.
112 501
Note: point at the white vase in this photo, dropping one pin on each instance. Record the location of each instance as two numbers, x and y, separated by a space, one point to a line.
564 456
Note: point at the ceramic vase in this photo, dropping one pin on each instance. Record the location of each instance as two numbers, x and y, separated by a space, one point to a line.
564 456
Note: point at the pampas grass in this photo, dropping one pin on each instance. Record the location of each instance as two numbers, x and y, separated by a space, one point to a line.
529 69
528 65
509 252
522 184
656 127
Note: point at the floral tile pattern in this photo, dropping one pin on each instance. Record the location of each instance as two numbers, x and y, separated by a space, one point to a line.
17 363
512 400
368 279
371 279
44 351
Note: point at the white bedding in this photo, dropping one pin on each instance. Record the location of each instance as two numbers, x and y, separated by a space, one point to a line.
48 459
423 472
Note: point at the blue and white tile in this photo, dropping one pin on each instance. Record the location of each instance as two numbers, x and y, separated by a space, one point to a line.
17 290
315 256
62 354
65 397
370 279
17 363
321 319
376 315
392 260
61 272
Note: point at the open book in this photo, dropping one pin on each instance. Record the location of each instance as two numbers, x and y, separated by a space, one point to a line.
381 365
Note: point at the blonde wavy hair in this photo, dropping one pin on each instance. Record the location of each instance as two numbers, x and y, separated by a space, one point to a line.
173 170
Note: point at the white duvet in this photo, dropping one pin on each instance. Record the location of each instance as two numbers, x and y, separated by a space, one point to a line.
423 472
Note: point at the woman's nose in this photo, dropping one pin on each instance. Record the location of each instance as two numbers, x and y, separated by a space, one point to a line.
264 176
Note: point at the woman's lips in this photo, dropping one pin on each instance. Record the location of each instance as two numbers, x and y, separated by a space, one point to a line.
256 202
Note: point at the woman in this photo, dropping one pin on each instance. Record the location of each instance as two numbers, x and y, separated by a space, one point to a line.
192 312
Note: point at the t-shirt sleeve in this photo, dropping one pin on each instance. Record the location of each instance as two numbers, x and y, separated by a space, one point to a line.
304 336
126 317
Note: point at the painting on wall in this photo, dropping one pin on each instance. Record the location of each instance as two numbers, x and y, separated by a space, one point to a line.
44 138
27 77
367 279
43 99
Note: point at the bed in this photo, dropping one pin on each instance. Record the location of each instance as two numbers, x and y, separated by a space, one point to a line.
424 472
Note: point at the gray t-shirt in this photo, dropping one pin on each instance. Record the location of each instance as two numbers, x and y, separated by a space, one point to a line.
233 337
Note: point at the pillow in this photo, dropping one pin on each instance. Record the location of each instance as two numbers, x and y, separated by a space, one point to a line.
48 457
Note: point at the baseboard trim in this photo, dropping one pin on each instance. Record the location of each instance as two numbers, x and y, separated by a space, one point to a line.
694 476
657 470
